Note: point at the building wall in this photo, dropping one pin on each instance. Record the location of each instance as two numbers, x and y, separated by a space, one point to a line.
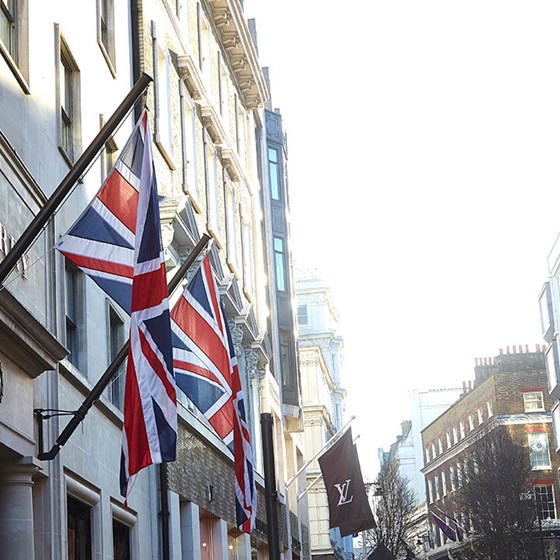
206 110
498 401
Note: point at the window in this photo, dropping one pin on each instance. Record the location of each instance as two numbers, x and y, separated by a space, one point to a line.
14 39
538 450
79 530
448 438
274 174
302 317
190 176
280 266
489 409
436 481
546 507
455 438
204 52
121 541
68 89
479 414
72 311
440 446
248 258
8 29
430 492
471 423
232 225
211 186
452 478
443 483
116 342
106 32
462 429
427 454
459 475
533 401
162 90
433 451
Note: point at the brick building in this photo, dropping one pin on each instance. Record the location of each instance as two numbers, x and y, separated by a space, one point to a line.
509 390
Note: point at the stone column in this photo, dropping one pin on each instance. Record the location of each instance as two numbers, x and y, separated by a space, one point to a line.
190 531
16 509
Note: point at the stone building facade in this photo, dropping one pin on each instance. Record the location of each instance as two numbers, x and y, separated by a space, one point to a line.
64 69
321 364
510 390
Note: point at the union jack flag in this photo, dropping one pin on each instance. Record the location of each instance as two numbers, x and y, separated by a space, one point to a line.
206 371
117 241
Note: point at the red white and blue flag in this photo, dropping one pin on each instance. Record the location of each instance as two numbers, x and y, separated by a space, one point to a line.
117 241
206 371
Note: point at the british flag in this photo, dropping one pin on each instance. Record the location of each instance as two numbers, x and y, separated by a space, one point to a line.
117 241
206 371
101 241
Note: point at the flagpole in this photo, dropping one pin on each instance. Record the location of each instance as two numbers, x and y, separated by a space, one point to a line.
42 217
113 368
270 487
307 463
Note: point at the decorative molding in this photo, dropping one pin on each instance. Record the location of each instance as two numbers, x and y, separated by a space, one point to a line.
229 18
251 361
190 74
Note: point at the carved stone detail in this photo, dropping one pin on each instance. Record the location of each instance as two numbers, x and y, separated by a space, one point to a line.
251 361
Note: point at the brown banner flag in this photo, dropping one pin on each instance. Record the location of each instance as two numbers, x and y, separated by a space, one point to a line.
348 502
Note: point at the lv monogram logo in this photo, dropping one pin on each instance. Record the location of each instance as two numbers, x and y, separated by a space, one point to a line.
343 491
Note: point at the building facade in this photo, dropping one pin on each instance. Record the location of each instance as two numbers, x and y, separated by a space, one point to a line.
510 390
320 349
213 165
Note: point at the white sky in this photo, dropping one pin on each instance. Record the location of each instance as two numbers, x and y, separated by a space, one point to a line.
424 168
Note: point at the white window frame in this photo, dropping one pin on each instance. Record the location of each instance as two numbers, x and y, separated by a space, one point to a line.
537 456
16 54
191 184
430 492
531 398
106 33
480 418
455 437
212 192
162 92
248 256
69 110
440 446
489 409
448 439
462 429
471 423
443 484
232 226
452 478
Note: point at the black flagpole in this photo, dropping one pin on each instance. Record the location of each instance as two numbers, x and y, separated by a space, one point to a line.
271 496
104 380
42 217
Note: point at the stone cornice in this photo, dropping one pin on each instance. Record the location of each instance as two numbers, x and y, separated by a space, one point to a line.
190 74
213 124
25 340
494 422
229 19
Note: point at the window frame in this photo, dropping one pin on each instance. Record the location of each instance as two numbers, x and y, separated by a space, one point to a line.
116 387
528 401
69 118
106 33
537 458
163 121
16 55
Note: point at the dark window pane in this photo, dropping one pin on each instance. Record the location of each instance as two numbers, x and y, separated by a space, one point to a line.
121 541
79 530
